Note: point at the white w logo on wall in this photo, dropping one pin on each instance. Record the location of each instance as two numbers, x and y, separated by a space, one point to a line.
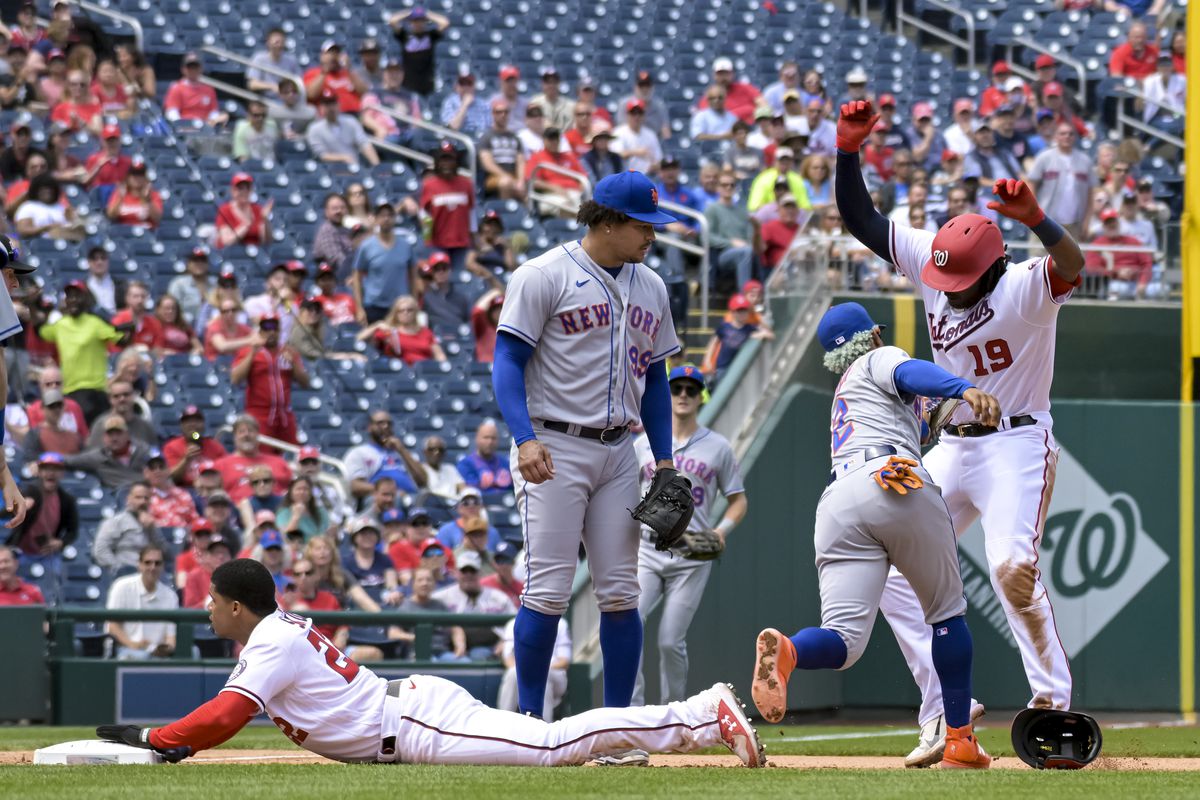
1094 558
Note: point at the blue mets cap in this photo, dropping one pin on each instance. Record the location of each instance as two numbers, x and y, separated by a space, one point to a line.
689 372
270 538
505 551
633 195
841 322
391 515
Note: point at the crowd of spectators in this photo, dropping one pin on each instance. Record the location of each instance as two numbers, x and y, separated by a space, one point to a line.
410 529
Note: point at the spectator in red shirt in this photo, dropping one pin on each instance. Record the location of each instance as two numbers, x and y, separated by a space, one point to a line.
306 596
1124 275
146 329
995 95
1053 96
503 560
877 154
334 73
268 371
78 109
188 98
449 198
485 318
226 334
136 202
18 191
186 452
1179 51
240 221
579 135
339 307
50 434
177 335
200 535
778 234
247 453
171 506
1135 57
401 335
553 153
50 378
195 588
107 167
741 98
13 590
110 92
53 519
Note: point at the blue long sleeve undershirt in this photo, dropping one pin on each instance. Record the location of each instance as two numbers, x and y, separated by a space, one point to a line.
508 384
656 412
927 379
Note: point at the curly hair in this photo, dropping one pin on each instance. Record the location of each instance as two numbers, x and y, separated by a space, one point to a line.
593 214
839 359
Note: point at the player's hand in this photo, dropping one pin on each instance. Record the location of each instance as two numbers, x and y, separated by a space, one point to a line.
986 407
1016 202
14 501
534 461
856 122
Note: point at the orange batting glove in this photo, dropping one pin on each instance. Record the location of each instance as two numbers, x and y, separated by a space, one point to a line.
856 122
1016 202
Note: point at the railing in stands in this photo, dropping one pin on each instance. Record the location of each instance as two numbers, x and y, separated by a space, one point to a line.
229 55
968 44
446 133
1126 120
1032 44
340 488
537 200
701 250
125 19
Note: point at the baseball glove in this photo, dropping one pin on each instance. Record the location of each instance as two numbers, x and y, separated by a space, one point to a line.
667 507
935 416
134 736
700 545
897 474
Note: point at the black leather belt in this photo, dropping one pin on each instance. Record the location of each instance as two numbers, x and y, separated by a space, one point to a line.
603 435
973 429
866 455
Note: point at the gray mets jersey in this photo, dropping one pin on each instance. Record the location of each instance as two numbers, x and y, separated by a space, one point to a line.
594 336
868 410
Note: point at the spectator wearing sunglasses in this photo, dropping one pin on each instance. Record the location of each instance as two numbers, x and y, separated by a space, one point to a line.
143 591
255 136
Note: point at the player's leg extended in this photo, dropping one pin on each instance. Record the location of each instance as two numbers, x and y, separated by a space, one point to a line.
651 564
1021 464
552 521
611 538
851 570
441 723
899 603
684 587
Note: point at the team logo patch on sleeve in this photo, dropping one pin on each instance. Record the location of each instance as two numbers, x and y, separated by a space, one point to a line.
238 670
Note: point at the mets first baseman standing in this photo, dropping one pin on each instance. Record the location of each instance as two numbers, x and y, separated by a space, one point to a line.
706 458
581 336
993 322
880 508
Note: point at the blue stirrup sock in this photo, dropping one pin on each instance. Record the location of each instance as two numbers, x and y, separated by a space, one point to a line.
819 648
952 655
621 647
533 647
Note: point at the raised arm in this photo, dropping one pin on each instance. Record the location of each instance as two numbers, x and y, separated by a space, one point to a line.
1018 202
863 220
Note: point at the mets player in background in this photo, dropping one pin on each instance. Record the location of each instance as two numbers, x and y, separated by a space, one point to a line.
582 336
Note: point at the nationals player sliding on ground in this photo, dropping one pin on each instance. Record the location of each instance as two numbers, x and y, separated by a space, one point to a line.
328 704
994 323
584 329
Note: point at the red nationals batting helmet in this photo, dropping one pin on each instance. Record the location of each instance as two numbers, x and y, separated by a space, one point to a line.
963 250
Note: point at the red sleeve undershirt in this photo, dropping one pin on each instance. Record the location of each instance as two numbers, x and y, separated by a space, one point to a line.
209 725
1058 284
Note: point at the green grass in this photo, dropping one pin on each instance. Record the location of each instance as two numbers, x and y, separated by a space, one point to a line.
1143 742
289 782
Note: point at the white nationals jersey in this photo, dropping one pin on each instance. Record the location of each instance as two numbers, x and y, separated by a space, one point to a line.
318 697
708 462
593 336
868 410
1004 344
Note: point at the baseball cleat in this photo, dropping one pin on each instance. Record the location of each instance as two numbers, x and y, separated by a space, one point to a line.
736 732
625 758
774 661
932 742
963 750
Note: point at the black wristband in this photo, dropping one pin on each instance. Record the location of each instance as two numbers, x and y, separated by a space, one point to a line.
1049 232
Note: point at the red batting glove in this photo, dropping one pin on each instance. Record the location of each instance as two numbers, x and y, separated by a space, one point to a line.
1016 202
855 124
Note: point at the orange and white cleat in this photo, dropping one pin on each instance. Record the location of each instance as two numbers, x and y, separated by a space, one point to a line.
774 661
963 750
